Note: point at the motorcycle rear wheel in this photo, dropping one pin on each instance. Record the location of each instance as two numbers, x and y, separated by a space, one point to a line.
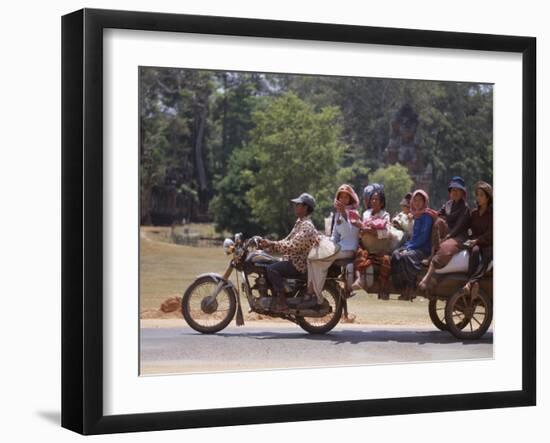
322 325
204 313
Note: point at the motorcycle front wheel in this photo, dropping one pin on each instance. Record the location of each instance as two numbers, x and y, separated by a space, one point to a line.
322 325
204 312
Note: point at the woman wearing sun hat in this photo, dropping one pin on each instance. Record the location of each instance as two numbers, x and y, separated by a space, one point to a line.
456 215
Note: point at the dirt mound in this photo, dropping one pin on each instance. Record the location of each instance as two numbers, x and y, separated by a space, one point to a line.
171 304
169 308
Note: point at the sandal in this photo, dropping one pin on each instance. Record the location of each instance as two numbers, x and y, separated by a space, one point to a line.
357 285
465 290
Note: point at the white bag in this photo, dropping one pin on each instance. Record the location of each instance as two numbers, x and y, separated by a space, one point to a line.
459 263
326 248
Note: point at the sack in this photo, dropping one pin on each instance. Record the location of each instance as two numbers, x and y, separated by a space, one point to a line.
375 245
385 245
458 263
326 248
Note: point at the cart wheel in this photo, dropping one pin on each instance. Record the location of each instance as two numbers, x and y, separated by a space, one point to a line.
468 318
436 309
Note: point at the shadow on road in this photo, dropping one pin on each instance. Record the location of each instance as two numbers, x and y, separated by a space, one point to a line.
358 336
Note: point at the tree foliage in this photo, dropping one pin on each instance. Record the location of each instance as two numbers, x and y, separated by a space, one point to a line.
217 144
229 208
297 150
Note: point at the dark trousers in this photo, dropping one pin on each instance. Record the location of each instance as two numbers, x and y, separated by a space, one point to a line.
277 272
405 268
474 273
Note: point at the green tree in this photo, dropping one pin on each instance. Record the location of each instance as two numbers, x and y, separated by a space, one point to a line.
229 208
396 183
174 139
297 150
192 121
455 131
292 149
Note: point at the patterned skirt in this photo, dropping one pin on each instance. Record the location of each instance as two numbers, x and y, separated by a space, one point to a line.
363 259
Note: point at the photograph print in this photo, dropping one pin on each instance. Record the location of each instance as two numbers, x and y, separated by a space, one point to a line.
308 221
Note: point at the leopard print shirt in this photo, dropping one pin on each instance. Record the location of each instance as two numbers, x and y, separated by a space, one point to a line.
296 246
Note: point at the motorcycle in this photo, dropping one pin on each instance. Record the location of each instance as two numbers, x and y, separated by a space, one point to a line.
212 300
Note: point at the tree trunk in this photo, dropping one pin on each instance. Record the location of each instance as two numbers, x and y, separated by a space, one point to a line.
199 162
145 209
224 124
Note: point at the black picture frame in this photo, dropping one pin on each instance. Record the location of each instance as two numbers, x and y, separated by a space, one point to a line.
82 215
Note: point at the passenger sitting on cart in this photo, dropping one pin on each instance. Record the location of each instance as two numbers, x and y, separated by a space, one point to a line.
375 246
455 214
481 240
345 234
406 262
404 220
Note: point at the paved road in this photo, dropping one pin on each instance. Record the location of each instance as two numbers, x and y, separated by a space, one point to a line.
277 345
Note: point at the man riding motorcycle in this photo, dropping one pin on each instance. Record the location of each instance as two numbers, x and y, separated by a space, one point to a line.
295 248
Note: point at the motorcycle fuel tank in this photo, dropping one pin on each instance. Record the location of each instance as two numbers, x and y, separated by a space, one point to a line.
261 258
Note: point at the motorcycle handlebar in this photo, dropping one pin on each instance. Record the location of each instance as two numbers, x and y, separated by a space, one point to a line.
254 239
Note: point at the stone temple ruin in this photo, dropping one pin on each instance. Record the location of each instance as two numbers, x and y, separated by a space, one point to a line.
403 147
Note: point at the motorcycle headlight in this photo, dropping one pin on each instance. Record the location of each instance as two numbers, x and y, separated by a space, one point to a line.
228 246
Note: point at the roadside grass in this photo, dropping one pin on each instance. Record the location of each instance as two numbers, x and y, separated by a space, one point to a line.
167 269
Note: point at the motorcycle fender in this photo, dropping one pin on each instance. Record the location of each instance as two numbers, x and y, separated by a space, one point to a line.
227 284
217 278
